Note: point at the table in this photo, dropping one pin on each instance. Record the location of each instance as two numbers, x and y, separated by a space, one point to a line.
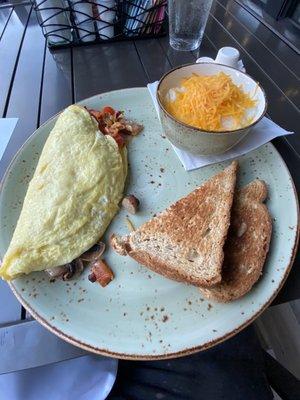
36 83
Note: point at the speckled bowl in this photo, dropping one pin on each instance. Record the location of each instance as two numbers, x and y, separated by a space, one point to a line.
193 139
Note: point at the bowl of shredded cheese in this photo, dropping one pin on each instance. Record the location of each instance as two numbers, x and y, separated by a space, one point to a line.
208 108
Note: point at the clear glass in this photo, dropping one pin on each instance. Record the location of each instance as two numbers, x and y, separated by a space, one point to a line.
187 21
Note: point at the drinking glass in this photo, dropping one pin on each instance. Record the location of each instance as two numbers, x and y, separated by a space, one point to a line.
187 20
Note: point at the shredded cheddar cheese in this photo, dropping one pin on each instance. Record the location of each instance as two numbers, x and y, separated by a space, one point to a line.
212 103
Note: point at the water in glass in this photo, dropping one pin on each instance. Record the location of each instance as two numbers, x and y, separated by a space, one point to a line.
187 20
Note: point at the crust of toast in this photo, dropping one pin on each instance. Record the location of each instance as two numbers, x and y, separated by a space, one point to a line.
185 242
247 244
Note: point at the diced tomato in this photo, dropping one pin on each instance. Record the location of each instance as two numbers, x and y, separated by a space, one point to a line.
108 110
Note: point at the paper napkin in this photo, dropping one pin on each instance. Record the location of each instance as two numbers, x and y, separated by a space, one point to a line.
263 132
88 377
7 126
36 364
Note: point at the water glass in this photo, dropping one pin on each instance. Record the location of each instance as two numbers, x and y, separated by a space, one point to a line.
187 21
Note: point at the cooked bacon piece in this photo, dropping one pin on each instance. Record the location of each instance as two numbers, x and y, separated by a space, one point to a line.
92 277
113 123
95 113
99 118
101 273
119 139
116 127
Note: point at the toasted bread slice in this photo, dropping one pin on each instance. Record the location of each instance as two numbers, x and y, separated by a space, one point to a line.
247 244
185 242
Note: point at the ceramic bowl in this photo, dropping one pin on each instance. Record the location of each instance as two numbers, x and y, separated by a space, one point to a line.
199 141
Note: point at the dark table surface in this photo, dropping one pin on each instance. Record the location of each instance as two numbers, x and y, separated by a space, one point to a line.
36 83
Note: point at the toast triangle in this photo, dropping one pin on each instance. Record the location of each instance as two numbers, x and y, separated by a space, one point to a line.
185 242
247 244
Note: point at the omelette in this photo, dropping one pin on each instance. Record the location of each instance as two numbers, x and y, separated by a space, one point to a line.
72 197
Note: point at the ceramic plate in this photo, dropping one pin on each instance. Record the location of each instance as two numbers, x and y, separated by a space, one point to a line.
141 315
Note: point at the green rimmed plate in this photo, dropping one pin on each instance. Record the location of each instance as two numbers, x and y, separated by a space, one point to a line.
141 315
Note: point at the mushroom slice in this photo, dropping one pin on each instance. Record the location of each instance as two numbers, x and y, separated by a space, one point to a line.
79 267
70 271
94 253
57 272
131 203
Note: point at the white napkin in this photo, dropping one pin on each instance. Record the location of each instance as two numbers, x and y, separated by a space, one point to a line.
36 364
263 132
85 378
7 126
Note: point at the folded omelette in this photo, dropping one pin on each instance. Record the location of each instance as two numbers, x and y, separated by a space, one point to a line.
71 199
